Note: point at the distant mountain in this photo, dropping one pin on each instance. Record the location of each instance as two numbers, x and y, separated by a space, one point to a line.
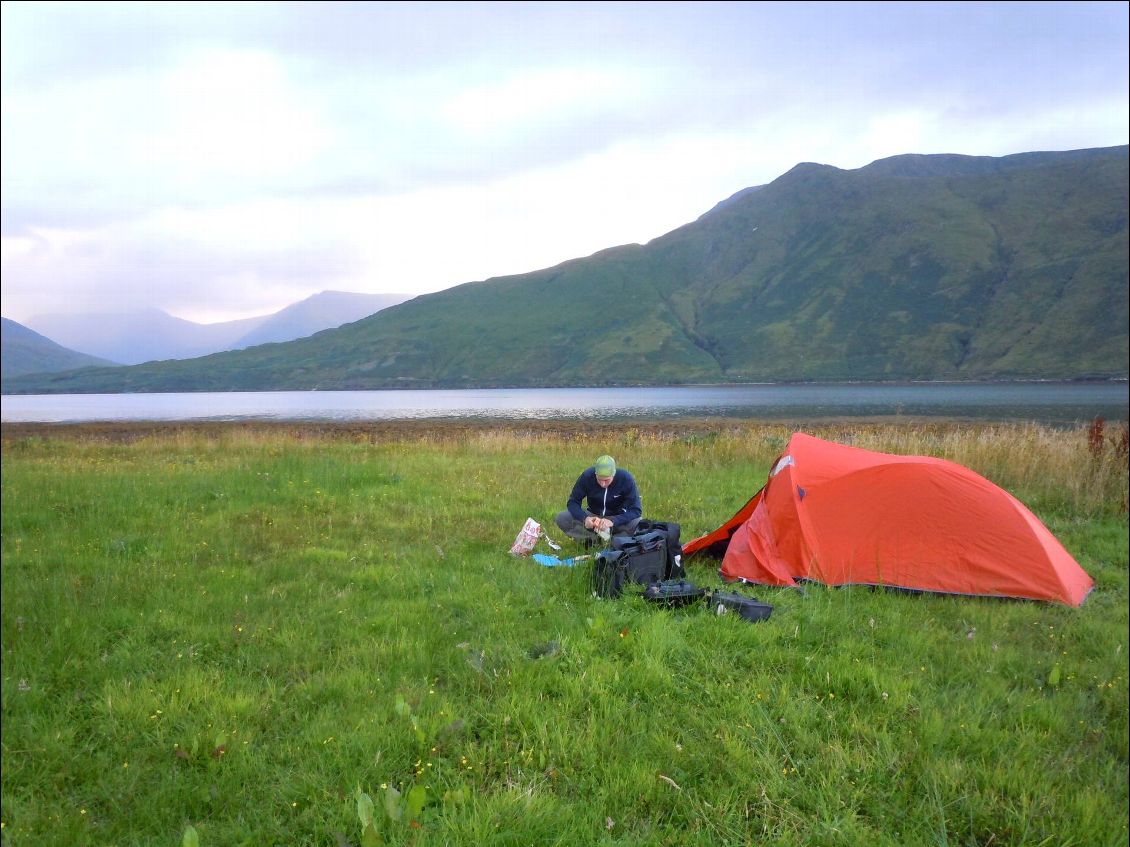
912 268
153 335
146 335
326 310
23 351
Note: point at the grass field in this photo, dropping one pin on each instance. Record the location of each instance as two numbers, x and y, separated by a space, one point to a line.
314 635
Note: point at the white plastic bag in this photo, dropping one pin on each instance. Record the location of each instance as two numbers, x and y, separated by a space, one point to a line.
527 539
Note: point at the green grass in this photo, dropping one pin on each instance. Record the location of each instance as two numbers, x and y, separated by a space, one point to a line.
243 631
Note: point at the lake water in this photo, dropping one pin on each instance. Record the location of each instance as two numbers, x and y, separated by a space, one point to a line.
1052 403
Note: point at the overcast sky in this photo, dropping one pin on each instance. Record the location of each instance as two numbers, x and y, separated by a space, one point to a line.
223 160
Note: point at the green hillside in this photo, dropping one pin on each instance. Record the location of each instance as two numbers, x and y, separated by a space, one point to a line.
914 267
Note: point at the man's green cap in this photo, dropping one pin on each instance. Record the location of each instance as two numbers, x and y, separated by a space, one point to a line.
605 466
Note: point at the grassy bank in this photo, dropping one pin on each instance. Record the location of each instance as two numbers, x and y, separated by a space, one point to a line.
252 631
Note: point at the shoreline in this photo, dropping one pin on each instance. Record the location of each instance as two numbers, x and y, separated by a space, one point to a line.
373 430
449 428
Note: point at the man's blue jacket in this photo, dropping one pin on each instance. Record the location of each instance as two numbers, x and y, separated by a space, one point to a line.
620 501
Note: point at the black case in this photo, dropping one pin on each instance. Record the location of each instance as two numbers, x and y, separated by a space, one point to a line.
749 608
673 592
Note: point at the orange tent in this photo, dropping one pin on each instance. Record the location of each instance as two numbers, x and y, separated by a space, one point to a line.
842 516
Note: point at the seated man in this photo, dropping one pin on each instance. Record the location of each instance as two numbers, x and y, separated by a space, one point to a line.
613 505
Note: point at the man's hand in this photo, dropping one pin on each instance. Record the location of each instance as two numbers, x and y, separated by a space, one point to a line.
597 524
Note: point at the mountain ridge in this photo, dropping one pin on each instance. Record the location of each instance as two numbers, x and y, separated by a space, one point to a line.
917 267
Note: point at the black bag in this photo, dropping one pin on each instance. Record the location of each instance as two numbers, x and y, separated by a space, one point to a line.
609 573
645 555
674 568
673 592
671 531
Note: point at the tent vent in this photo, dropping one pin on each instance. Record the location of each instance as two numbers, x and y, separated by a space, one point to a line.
783 463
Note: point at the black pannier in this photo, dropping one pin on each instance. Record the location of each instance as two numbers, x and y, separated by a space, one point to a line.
671 531
645 555
609 573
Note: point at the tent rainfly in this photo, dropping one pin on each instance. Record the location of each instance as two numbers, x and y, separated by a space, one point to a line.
845 516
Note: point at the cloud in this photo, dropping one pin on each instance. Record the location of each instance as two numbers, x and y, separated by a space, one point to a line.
231 115
549 96
191 260
228 159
